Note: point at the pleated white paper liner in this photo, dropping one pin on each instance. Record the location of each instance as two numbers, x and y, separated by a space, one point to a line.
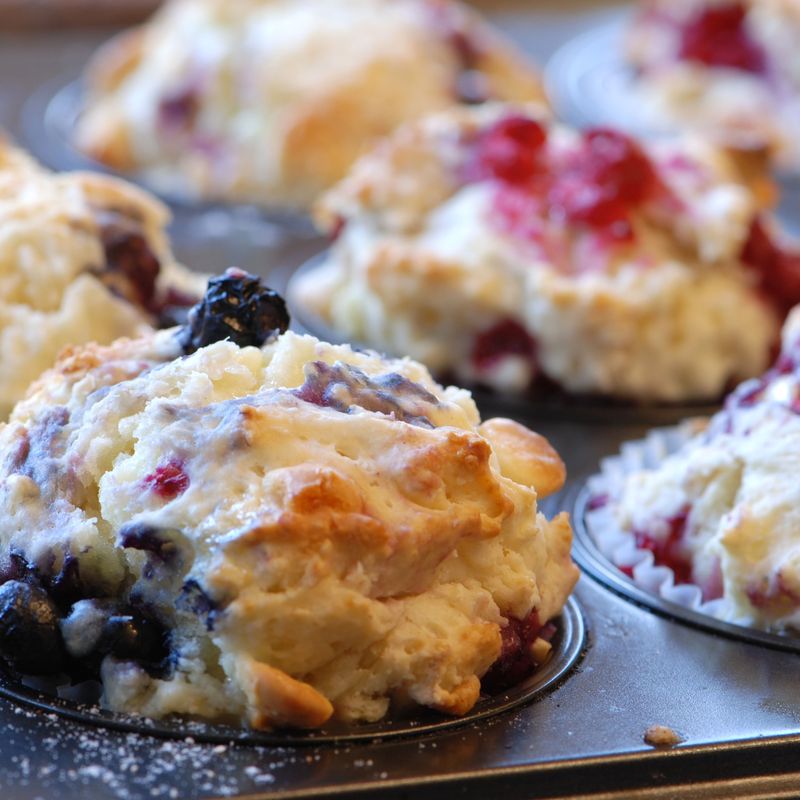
619 546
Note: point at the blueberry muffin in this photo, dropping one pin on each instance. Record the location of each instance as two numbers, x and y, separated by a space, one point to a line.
270 101
83 258
511 251
238 522
723 511
729 68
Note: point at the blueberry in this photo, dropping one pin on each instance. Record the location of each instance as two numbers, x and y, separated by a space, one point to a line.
130 635
195 600
140 536
236 306
66 586
30 639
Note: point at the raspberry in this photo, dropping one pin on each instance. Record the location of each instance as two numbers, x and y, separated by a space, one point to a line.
717 36
515 661
510 150
778 269
506 338
619 165
168 480
609 177
669 551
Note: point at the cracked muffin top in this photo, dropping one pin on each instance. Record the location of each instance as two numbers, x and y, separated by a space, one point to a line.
83 257
270 101
508 250
238 522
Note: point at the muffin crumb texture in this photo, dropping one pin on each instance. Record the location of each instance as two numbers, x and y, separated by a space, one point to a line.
273 535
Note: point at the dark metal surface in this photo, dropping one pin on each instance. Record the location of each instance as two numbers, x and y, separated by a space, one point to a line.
735 703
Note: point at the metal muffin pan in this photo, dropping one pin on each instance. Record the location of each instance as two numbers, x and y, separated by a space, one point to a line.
593 562
568 644
735 703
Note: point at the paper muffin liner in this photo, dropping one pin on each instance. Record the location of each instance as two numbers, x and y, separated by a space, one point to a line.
619 546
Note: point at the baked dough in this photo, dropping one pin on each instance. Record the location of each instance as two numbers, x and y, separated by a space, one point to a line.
83 257
444 252
725 508
315 531
728 69
270 101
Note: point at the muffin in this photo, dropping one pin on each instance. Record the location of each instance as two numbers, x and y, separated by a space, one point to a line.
722 512
729 68
511 251
231 520
83 258
270 101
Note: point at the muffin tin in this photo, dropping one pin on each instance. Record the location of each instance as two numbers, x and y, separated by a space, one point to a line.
733 701
80 703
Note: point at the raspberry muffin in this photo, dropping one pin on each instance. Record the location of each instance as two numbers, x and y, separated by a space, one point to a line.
511 251
731 69
83 258
270 101
723 511
238 522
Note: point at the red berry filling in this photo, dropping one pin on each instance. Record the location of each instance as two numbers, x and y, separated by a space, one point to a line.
510 150
603 181
717 36
168 480
505 338
610 176
778 269
669 550
515 661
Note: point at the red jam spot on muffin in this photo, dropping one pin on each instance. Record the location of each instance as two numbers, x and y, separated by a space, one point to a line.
717 37
669 551
168 480
519 213
510 150
609 177
515 661
506 338
778 269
